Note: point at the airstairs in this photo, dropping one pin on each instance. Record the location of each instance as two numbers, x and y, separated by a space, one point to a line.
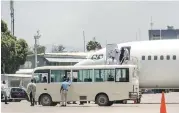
133 61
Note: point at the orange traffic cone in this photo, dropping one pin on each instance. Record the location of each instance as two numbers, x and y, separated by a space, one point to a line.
163 105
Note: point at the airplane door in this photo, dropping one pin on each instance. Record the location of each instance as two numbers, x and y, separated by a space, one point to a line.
114 55
124 54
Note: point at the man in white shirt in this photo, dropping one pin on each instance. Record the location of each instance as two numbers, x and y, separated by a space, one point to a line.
4 89
111 61
31 90
117 55
126 54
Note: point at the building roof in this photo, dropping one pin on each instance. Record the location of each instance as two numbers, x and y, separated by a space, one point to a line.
17 75
65 54
63 59
24 71
69 54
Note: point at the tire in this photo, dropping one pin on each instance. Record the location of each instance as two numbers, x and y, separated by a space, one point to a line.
138 101
102 100
110 103
46 100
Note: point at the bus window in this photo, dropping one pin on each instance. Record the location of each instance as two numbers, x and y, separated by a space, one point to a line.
67 75
85 75
42 76
97 76
57 75
101 75
75 76
122 75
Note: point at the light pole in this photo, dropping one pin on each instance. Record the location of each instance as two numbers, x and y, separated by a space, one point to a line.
12 16
36 37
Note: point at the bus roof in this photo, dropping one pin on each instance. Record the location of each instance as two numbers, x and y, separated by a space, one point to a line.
84 67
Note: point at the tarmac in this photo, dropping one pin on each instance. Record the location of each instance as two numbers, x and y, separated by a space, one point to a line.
150 103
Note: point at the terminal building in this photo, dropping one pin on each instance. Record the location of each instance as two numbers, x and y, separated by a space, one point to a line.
160 34
53 59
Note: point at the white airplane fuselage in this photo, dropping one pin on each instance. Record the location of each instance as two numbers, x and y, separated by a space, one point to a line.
154 73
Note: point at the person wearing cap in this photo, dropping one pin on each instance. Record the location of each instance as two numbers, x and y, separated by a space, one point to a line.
64 89
31 90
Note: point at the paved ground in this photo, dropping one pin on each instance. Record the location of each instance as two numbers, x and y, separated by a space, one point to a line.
24 107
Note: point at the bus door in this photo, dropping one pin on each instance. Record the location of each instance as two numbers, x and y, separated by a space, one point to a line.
42 78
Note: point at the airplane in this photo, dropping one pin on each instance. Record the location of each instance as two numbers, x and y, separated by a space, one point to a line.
158 61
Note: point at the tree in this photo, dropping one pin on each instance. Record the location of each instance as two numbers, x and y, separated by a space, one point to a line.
93 45
3 26
41 49
57 48
30 51
13 51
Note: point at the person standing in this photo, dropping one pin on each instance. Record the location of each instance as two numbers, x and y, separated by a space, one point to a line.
112 61
4 89
121 57
64 89
31 90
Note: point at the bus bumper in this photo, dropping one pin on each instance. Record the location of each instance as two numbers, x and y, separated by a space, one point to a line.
133 95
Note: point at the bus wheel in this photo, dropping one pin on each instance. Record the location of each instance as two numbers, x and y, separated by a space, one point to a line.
102 100
138 101
46 100
110 103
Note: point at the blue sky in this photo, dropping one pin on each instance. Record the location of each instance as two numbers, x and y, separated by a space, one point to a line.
62 22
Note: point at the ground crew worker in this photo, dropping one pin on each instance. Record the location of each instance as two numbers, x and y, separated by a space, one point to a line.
4 89
121 57
64 89
31 90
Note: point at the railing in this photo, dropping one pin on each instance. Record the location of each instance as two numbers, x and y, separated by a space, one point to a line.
133 61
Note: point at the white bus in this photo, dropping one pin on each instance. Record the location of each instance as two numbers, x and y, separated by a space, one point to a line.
103 84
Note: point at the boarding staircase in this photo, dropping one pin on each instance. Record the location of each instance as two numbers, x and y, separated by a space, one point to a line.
133 61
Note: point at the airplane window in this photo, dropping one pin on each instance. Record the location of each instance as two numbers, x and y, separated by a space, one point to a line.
168 57
149 57
155 57
174 57
94 57
100 56
161 57
143 57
